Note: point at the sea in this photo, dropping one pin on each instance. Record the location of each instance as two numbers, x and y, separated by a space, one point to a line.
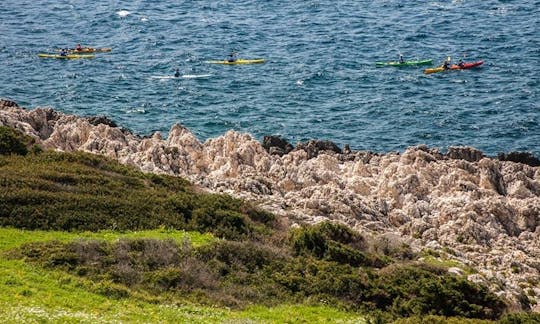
319 79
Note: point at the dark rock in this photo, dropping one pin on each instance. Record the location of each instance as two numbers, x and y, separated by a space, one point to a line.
276 145
50 114
520 157
314 147
464 153
96 120
8 103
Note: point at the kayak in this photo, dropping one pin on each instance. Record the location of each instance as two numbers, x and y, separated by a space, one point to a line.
454 67
185 76
238 61
406 63
87 50
69 56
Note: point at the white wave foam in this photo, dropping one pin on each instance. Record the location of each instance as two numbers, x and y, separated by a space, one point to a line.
162 77
123 13
136 111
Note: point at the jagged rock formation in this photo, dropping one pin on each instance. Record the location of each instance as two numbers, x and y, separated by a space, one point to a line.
480 211
276 145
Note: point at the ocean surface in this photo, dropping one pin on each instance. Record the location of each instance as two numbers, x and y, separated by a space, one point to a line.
319 81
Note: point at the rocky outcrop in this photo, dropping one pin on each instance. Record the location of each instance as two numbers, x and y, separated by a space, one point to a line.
520 157
465 153
276 145
96 120
481 212
315 147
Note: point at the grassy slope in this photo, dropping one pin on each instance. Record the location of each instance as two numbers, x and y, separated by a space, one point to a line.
32 294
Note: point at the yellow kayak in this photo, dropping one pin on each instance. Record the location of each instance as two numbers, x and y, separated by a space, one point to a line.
238 61
69 56
434 70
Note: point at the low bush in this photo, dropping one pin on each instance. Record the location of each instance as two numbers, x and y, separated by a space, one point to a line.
521 318
14 142
240 256
416 289
80 191
433 319
333 242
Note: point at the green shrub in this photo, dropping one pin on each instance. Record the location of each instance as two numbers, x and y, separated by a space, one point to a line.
333 242
393 248
81 191
189 275
433 319
258 215
13 142
223 223
521 318
111 290
407 290
240 256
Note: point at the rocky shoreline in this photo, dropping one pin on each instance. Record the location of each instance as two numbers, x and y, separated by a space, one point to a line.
478 211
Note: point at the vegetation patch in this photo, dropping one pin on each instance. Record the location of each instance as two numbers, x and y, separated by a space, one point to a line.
234 274
85 192
15 142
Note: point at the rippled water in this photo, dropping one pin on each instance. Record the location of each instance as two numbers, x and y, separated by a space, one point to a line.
319 81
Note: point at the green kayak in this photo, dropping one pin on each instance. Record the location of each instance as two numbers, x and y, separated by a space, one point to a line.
406 63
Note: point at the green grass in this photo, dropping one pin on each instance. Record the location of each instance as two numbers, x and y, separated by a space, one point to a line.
442 261
31 294
12 237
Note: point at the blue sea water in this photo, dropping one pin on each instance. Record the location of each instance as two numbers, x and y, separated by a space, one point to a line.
319 80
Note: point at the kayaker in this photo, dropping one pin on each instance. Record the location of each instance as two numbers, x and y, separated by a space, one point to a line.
78 48
232 56
460 63
177 73
446 64
63 52
401 59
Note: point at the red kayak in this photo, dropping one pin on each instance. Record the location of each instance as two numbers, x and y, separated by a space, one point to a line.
454 67
466 65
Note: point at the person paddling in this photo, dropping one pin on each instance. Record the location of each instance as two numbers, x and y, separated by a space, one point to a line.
63 52
401 59
78 48
177 73
232 56
446 64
